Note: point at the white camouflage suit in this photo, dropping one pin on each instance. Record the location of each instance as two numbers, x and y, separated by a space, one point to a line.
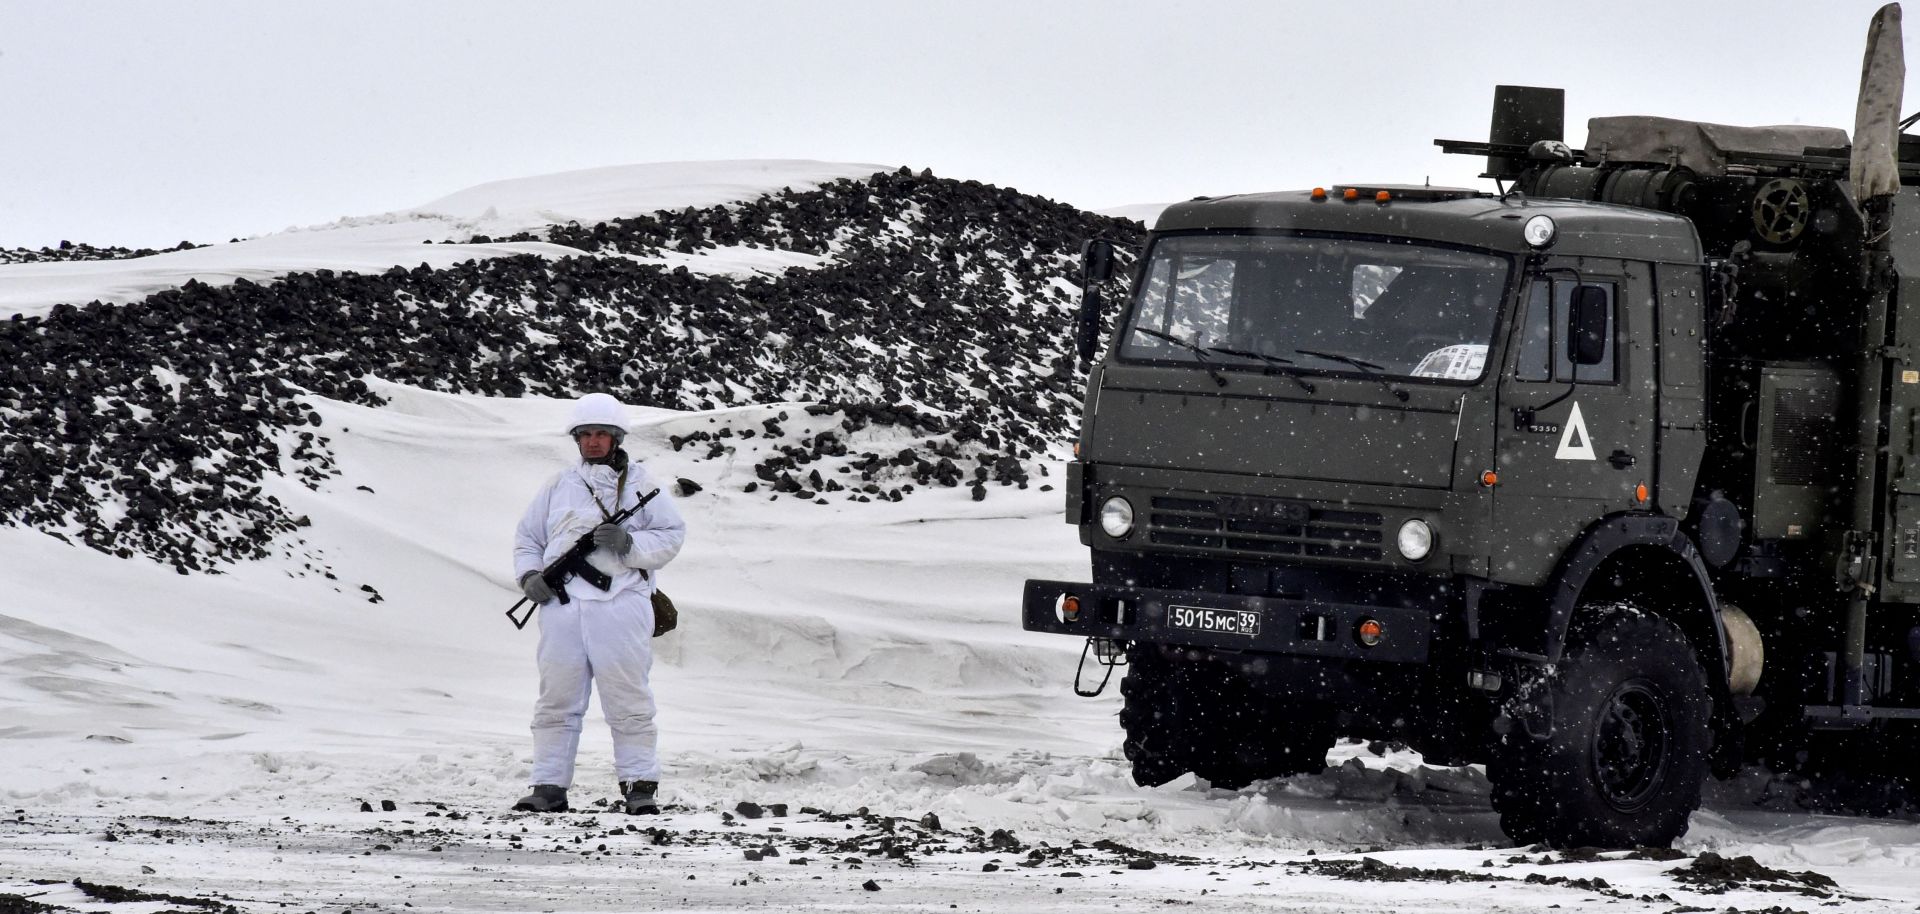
603 637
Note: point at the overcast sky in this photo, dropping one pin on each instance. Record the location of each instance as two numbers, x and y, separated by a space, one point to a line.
153 122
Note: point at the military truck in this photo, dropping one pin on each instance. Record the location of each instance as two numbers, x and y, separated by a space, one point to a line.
1608 478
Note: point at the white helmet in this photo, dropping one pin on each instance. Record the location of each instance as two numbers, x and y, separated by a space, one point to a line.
600 410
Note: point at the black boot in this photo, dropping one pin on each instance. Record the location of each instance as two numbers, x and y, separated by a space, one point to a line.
544 798
639 797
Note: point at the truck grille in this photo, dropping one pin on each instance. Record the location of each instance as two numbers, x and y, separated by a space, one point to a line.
1325 533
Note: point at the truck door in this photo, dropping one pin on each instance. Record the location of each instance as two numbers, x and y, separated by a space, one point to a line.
1576 418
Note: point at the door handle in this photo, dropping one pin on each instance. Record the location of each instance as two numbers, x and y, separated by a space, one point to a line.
1620 459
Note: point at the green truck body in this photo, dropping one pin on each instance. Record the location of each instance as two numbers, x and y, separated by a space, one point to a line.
1606 480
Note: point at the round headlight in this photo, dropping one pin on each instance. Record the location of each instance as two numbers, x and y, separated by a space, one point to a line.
1415 540
1539 231
1116 517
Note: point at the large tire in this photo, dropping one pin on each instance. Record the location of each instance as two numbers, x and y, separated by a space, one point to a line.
1204 718
1630 740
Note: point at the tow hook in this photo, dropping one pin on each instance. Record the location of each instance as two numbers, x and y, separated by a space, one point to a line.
1110 653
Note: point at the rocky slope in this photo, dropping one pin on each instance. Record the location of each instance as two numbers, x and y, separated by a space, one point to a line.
937 306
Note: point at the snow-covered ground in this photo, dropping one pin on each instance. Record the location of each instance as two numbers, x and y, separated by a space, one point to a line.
862 665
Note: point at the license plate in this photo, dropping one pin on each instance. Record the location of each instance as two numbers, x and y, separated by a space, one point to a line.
1218 621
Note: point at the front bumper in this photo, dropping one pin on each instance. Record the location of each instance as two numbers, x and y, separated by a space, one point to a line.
1308 628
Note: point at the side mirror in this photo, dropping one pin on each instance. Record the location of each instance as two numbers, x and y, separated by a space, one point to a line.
1096 267
1096 261
1587 326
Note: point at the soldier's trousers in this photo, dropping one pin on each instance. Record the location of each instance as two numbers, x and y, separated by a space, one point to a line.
608 643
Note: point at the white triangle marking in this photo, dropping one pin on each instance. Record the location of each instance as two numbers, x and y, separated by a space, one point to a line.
1575 442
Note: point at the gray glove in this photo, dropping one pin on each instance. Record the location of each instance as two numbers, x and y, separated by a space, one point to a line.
613 537
535 587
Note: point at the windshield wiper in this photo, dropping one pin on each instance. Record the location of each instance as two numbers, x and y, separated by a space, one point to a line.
1370 369
1199 354
1272 360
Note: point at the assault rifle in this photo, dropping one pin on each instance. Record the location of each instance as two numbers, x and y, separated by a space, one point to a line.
573 562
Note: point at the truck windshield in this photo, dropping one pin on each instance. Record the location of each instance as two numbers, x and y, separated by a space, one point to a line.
1320 304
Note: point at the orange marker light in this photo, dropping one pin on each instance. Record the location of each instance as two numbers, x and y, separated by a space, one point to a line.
1489 478
1640 493
1319 193
1353 193
1370 632
1382 197
1070 607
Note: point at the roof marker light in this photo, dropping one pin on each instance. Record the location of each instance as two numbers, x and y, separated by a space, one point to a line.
1382 197
1319 193
1352 193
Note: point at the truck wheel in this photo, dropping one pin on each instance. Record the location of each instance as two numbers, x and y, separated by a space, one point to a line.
1629 746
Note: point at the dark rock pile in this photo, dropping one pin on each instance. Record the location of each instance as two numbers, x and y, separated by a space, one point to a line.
941 309
1714 874
68 250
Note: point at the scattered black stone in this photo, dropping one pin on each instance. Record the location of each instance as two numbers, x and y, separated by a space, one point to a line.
870 886
684 487
21 904
749 810
148 428
1368 869
1713 874
113 894
1134 855
69 251
1594 884
1655 853
366 806
388 806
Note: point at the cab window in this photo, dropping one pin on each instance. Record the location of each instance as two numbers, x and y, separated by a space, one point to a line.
1547 334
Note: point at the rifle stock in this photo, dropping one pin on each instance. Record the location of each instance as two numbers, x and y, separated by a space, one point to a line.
571 563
